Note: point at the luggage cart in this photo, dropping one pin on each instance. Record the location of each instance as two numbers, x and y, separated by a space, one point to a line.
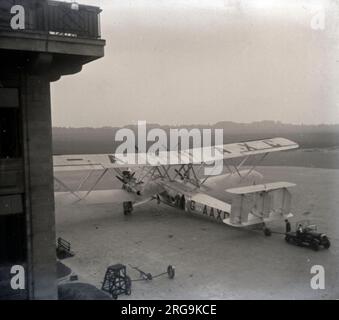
116 281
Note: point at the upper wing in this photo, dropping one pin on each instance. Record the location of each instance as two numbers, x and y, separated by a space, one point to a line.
261 187
190 156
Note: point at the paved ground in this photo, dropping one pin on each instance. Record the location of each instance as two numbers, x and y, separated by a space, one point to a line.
213 261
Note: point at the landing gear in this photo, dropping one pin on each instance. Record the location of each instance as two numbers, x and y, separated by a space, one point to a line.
128 207
267 231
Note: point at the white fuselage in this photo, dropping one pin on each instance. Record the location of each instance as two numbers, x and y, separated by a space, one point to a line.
177 192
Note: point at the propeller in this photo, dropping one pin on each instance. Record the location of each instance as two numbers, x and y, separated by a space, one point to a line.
121 179
129 181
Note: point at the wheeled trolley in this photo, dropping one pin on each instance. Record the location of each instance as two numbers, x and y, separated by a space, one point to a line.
116 281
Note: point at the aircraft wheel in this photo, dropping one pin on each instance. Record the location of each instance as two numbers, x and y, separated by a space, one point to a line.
124 205
149 276
267 232
171 272
128 208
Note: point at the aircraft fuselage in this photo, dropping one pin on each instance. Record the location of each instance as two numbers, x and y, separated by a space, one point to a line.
178 193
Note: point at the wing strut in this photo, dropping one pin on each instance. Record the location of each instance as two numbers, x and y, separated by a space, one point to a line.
67 187
96 183
256 164
85 180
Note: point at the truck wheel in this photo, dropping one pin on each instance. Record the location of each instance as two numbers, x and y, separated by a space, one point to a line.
315 245
327 244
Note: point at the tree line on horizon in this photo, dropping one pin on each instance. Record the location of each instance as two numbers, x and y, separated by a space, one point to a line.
101 140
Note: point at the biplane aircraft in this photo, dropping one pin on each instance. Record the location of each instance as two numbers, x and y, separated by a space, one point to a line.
242 201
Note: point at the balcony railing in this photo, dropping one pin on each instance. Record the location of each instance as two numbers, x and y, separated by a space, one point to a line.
54 17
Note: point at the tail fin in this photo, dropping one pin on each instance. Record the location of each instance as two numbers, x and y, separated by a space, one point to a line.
260 203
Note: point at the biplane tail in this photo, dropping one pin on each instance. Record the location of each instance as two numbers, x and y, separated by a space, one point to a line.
259 204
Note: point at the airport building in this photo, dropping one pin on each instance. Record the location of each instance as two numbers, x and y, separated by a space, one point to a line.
54 39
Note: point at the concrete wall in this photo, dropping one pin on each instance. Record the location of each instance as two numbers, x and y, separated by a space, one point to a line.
35 182
35 95
29 62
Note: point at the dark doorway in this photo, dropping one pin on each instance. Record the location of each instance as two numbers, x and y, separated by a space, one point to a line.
10 146
13 231
12 239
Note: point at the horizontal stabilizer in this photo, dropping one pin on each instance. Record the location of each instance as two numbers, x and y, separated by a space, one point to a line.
261 187
260 203
252 220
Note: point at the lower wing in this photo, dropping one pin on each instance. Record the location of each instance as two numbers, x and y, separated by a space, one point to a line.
98 197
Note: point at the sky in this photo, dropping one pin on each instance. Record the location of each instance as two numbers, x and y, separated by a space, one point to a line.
202 61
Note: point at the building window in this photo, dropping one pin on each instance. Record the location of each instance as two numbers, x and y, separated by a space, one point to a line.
10 142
